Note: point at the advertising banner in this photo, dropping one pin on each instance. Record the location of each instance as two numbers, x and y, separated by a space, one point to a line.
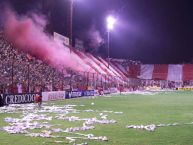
106 91
1 100
113 90
88 93
59 37
185 89
19 98
56 95
76 94
79 44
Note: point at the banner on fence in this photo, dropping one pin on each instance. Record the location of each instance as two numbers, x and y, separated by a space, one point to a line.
56 95
19 98
76 94
79 44
88 93
1 100
185 89
58 37
106 92
113 90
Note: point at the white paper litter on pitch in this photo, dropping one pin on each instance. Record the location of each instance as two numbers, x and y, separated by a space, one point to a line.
33 118
153 127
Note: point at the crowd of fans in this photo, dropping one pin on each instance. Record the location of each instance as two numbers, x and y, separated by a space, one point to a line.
20 72
126 62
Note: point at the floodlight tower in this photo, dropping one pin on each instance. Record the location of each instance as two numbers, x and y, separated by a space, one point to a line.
71 20
110 26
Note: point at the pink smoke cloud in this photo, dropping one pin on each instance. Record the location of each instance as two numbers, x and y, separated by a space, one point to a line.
27 34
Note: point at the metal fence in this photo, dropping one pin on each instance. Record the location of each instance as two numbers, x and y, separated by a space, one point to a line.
36 76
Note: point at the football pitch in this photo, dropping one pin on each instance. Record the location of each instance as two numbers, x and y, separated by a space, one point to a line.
109 120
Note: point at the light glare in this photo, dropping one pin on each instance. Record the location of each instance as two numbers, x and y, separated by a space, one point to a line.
110 22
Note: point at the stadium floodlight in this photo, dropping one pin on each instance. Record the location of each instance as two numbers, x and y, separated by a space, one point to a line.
110 23
110 26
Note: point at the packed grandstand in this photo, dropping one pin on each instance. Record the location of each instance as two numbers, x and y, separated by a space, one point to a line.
24 73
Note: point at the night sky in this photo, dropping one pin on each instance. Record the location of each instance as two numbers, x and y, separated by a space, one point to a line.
152 31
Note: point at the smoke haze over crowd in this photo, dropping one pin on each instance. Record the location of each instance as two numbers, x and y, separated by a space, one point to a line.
27 34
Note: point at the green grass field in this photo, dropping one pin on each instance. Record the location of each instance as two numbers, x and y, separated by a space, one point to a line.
162 108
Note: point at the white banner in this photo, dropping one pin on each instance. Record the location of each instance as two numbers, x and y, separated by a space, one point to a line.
79 44
146 71
175 73
57 95
59 37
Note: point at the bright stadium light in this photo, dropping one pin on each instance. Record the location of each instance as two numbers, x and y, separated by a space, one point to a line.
110 26
110 22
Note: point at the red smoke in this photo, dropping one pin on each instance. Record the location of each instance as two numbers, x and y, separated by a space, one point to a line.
27 34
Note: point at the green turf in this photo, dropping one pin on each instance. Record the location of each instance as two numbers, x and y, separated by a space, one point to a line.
165 107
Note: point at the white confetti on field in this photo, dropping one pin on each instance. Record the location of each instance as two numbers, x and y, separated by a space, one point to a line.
33 117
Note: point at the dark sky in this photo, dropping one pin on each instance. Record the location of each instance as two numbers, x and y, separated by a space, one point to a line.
152 31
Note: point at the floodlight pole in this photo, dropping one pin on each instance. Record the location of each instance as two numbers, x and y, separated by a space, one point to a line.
110 24
71 22
108 46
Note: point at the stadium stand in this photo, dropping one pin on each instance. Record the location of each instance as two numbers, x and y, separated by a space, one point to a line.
21 69
20 72
161 75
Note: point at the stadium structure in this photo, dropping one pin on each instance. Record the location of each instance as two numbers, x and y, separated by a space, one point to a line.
21 71
126 95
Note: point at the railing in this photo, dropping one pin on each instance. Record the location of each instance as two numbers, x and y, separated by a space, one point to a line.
36 76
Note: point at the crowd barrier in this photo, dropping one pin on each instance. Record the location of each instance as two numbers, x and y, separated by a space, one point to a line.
6 99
